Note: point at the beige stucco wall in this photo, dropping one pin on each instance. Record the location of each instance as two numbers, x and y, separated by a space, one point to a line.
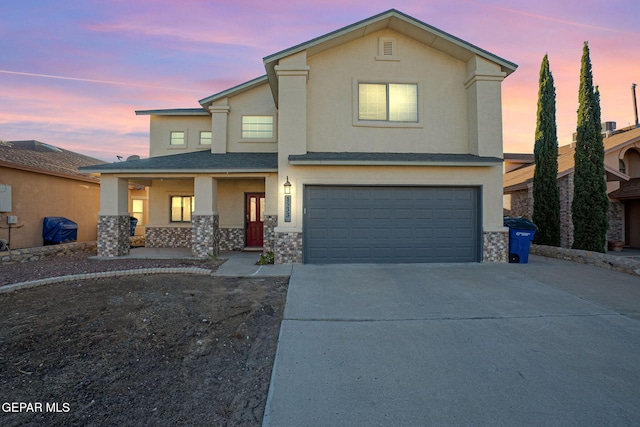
162 126
160 193
255 102
484 177
230 199
332 94
35 196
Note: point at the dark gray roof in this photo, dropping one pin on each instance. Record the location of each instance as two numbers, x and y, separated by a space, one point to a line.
315 158
174 112
199 161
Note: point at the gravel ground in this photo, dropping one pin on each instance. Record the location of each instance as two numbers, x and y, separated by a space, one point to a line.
80 262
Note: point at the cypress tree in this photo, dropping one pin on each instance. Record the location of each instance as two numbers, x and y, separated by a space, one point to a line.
546 195
590 203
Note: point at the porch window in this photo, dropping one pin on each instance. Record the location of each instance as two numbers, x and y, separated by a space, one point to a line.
137 210
181 208
257 127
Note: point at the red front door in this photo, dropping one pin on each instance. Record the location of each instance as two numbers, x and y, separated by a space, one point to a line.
254 220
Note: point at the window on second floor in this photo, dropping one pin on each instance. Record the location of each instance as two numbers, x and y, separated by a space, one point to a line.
257 127
181 208
389 102
205 138
177 138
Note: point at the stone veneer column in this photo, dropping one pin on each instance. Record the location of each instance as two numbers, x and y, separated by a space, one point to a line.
288 248
113 235
495 246
270 223
205 231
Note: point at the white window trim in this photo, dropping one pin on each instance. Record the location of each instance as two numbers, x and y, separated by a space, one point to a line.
386 124
275 129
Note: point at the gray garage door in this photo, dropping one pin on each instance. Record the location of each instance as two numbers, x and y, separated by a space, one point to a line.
349 224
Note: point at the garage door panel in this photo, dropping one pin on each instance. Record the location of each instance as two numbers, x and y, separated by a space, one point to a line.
390 224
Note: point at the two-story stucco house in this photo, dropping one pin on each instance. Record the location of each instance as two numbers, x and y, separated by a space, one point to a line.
378 142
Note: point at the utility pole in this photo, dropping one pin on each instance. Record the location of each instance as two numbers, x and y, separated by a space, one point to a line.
635 103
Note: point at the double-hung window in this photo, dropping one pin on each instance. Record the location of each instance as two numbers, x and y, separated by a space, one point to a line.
388 102
257 127
181 208
205 137
177 138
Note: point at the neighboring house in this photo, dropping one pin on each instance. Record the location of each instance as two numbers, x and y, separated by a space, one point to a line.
513 161
38 180
378 142
622 166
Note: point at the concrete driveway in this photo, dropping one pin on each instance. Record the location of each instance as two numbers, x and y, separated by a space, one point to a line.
548 343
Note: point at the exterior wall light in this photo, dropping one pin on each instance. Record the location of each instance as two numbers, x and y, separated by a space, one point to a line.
287 201
287 187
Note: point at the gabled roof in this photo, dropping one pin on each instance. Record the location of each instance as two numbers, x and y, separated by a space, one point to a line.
194 162
394 20
236 90
38 157
520 178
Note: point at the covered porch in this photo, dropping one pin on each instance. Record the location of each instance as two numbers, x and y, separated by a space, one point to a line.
203 201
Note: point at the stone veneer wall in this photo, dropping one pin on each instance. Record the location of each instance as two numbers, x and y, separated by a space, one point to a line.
168 237
565 185
40 252
205 235
495 246
520 204
270 223
616 221
288 248
231 239
113 235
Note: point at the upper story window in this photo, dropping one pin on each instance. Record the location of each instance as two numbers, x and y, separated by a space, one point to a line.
205 138
181 208
388 102
257 127
622 166
177 138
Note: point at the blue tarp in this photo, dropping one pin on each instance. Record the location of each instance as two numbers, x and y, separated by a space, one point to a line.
57 229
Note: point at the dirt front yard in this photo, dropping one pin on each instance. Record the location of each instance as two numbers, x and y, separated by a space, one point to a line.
139 350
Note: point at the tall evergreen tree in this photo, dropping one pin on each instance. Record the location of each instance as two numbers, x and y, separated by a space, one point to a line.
546 195
590 203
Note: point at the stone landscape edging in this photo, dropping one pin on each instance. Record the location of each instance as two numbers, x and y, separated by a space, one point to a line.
604 260
103 274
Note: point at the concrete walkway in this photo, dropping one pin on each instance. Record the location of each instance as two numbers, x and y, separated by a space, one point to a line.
549 343
244 264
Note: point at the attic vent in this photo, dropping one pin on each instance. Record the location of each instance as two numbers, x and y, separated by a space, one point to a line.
387 49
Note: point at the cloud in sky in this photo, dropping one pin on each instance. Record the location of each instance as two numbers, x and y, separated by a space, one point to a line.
73 75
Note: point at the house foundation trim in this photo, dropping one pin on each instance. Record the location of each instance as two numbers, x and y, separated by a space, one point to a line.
495 246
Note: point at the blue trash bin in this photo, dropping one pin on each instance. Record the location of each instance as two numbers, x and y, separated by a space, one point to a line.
133 221
521 233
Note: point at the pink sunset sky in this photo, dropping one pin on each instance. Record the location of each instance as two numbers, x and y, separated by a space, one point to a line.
73 73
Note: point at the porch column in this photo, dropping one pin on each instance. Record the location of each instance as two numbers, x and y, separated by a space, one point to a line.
113 218
219 116
205 229
293 74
